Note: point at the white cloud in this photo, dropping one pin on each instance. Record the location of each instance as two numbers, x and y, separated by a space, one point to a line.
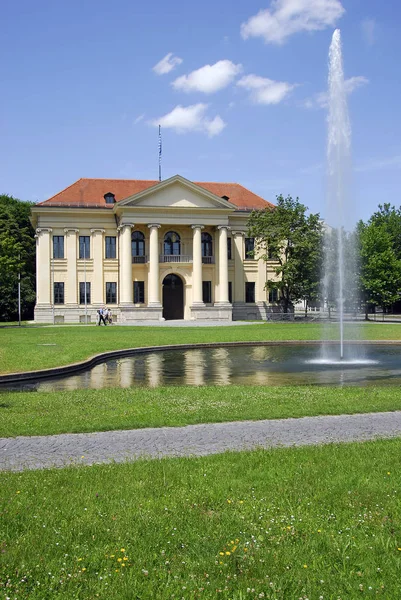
139 119
376 164
286 17
208 79
184 119
321 99
265 91
368 27
167 64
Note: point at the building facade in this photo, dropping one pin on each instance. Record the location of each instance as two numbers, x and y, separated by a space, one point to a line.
149 250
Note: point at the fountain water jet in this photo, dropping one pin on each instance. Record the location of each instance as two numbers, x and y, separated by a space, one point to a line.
339 161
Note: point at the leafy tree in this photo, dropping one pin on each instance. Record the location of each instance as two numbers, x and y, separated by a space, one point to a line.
381 267
294 240
17 257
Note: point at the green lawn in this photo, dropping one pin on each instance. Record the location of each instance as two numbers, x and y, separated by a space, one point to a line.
318 522
46 413
27 349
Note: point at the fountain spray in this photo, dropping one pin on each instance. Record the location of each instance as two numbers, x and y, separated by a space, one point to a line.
339 161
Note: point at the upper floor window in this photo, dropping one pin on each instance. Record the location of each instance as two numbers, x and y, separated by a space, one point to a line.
249 247
138 244
207 244
110 198
110 246
172 244
229 251
58 246
84 246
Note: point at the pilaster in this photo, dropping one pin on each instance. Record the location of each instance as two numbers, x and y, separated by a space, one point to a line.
97 280
43 264
71 297
126 286
239 278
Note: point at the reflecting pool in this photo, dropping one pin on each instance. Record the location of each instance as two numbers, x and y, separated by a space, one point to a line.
294 364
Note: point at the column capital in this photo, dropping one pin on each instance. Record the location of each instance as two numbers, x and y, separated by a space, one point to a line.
40 230
68 229
120 227
157 225
197 227
239 233
223 227
97 230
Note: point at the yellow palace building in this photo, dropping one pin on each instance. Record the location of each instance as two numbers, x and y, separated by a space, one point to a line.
149 250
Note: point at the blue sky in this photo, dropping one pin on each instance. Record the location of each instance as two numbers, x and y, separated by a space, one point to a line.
240 96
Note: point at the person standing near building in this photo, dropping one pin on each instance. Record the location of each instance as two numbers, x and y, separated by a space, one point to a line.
102 316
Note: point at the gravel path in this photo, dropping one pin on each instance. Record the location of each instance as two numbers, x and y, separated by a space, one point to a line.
41 452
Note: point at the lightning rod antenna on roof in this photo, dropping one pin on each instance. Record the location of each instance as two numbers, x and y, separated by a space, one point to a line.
160 153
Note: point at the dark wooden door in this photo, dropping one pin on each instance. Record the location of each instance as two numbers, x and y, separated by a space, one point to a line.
173 298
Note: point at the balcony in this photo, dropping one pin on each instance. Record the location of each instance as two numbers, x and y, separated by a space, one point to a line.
139 260
175 258
208 260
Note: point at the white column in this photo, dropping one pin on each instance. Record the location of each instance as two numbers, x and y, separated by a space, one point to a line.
126 286
239 277
43 258
153 281
197 297
71 296
97 294
223 265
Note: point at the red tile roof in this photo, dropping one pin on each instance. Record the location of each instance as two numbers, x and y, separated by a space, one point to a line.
90 193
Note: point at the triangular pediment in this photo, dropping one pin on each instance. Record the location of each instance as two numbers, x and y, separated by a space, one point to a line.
176 192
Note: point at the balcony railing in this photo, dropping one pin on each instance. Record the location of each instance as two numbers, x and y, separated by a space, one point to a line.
175 258
139 259
208 260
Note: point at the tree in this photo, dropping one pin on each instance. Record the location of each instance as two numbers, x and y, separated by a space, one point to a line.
380 265
17 257
294 240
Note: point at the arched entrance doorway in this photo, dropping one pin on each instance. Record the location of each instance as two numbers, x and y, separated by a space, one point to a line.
173 297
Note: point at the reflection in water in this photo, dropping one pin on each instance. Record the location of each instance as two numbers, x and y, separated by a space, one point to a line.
154 366
293 364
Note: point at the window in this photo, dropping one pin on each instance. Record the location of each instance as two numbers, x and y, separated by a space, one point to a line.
110 198
249 247
111 292
84 246
110 246
273 295
271 255
139 292
250 291
207 245
82 292
58 246
172 244
207 291
229 251
230 292
58 292
138 244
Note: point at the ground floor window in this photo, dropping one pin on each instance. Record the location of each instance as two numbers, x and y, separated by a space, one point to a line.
207 292
250 291
273 296
111 292
230 292
58 292
82 292
139 292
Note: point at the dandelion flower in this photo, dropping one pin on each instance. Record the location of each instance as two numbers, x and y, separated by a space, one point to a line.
305 566
122 550
228 553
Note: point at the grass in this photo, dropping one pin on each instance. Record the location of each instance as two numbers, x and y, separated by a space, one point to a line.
78 411
27 349
317 522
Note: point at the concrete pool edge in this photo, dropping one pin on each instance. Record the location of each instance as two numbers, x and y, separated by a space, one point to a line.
103 356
